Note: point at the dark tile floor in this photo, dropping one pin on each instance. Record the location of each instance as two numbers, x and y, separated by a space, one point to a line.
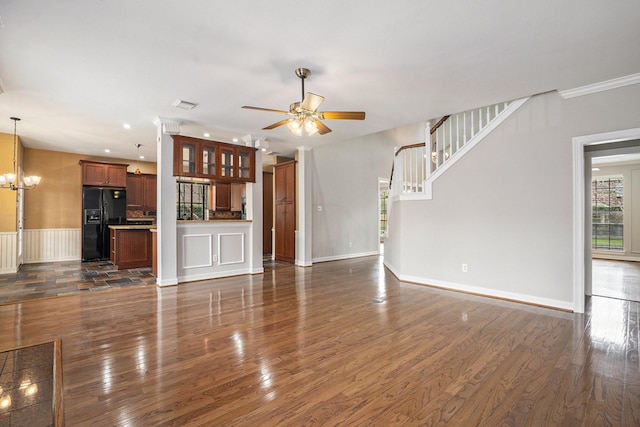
54 279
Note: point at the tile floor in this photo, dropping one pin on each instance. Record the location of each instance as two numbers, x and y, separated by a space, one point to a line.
53 279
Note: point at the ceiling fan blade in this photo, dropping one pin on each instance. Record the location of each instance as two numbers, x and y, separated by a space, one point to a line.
311 101
265 109
342 115
275 125
322 128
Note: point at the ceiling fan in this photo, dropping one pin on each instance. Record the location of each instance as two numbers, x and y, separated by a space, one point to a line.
305 115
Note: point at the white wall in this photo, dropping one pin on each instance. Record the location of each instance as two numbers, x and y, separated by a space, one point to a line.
345 184
505 209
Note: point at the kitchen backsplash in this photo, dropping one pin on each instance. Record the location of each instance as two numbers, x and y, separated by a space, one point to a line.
135 213
225 215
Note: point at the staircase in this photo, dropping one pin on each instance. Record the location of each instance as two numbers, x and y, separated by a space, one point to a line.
415 167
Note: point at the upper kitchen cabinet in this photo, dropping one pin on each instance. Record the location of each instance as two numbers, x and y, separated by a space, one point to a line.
185 156
218 161
141 192
237 163
104 174
150 192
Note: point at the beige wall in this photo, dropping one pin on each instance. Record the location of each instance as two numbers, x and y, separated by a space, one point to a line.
57 201
7 197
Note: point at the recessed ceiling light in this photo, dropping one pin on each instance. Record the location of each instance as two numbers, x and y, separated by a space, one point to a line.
106 150
206 135
126 126
142 157
235 139
185 105
595 169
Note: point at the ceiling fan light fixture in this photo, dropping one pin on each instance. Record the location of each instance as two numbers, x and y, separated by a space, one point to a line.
305 115
310 126
295 127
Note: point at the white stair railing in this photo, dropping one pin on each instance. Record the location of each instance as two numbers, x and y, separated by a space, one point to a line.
416 167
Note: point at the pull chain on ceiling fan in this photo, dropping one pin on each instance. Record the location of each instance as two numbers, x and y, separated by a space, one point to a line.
304 114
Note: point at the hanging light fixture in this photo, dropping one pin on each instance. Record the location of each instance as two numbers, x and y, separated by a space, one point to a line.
137 171
302 122
11 180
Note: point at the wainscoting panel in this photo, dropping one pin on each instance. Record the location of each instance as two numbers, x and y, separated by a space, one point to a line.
197 250
51 245
8 252
231 248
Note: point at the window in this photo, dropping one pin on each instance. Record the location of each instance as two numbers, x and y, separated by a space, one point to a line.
384 197
192 200
607 208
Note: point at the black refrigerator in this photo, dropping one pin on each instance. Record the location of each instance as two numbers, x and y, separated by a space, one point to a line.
101 207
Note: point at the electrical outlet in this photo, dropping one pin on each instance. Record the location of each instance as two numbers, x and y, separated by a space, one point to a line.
319 208
215 257
464 268
350 244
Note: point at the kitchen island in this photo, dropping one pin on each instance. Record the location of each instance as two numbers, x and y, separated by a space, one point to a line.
131 246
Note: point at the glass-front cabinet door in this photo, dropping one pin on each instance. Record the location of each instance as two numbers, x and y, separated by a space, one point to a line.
246 160
213 160
189 158
226 162
185 157
209 160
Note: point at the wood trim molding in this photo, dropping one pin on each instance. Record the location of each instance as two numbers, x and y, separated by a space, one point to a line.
601 86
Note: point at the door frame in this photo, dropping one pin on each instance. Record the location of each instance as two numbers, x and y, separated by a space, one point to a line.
582 223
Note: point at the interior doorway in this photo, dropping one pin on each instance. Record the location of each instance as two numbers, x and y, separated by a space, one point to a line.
582 223
598 157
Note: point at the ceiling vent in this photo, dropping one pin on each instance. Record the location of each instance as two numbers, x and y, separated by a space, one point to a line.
185 105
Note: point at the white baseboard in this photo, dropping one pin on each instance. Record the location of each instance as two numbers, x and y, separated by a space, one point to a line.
486 292
345 256
209 275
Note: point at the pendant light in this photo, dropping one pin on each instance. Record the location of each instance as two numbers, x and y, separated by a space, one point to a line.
137 171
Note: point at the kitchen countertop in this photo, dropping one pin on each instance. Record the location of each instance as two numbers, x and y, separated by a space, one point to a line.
132 227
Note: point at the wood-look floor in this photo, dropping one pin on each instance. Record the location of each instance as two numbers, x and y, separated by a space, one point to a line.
341 344
616 279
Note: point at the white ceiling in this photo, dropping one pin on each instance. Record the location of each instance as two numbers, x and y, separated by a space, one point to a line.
76 70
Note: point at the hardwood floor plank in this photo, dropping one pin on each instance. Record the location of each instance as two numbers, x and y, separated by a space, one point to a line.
340 343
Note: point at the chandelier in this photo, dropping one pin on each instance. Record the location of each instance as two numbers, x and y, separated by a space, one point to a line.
11 180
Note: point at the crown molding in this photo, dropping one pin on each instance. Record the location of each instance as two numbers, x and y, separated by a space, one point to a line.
601 86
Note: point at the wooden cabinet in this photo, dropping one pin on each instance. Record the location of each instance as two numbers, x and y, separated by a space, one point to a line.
223 196
135 191
215 160
150 185
131 248
285 211
141 192
185 159
104 174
